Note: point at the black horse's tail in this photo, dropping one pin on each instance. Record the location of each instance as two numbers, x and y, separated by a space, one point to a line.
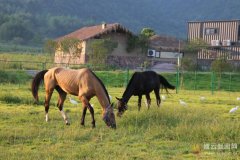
36 83
165 84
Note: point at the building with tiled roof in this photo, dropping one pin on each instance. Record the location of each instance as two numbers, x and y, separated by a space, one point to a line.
115 32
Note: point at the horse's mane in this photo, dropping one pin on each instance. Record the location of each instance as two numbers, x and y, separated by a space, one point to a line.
104 88
130 84
131 81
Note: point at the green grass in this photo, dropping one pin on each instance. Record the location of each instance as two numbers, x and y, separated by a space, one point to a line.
19 48
169 132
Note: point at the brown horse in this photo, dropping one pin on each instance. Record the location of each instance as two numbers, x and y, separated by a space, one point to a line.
82 83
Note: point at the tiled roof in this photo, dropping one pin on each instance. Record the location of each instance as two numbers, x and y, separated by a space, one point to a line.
94 31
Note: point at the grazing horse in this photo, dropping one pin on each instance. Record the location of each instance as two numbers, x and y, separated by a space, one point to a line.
142 83
82 83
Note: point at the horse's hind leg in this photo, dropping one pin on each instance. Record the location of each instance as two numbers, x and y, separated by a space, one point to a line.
148 100
47 100
156 91
139 102
61 99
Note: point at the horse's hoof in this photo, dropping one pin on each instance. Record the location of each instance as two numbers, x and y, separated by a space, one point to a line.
68 124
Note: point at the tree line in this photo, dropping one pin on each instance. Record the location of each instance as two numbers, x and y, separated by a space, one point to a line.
33 21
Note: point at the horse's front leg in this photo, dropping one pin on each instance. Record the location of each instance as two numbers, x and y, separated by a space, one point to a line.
148 100
90 108
139 102
156 91
86 105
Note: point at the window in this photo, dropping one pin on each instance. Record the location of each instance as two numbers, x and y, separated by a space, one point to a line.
211 31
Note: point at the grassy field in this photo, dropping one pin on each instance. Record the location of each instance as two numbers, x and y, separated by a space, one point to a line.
201 130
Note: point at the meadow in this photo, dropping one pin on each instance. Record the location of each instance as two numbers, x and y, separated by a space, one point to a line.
200 130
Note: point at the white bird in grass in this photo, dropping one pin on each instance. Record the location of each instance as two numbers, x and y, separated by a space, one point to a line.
110 97
234 109
73 101
146 102
202 98
163 97
182 103
238 98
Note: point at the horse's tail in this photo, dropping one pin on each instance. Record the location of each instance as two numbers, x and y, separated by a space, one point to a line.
36 83
165 84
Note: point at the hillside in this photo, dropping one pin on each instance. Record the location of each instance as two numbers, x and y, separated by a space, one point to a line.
33 21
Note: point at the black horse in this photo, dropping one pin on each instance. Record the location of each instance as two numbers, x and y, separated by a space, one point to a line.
142 83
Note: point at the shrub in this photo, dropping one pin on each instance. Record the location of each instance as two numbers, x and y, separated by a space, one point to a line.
15 77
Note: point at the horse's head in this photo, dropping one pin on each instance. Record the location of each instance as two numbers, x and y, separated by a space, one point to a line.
109 117
122 107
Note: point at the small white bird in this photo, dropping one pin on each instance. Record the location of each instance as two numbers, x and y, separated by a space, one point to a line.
182 103
146 102
238 98
234 109
202 98
73 101
163 97
110 97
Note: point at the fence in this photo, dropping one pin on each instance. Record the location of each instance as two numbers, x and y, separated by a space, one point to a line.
113 77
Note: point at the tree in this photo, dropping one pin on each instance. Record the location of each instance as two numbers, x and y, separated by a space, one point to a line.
100 49
195 46
219 66
187 64
69 46
140 41
50 47
12 30
148 32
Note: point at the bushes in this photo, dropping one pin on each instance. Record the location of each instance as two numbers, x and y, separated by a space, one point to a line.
15 77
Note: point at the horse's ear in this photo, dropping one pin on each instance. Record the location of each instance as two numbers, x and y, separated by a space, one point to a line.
118 98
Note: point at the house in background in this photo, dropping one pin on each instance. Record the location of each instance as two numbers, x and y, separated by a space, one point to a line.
223 38
115 32
165 51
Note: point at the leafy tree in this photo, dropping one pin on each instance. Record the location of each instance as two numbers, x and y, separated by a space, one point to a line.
132 43
70 46
100 49
195 46
140 41
50 47
11 30
219 66
148 32
143 43
187 64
